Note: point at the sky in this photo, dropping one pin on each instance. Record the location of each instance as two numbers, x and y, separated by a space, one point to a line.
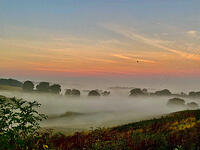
99 38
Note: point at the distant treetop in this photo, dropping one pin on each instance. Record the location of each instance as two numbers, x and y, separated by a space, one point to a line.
72 92
28 86
136 92
55 88
94 93
164 92
43 87
11 82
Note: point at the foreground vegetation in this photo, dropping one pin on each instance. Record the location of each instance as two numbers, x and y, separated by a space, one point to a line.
19 129
19 123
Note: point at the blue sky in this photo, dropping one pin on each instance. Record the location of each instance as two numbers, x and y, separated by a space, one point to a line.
73 16
104 36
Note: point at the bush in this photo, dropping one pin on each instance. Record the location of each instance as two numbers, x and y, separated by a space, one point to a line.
19 121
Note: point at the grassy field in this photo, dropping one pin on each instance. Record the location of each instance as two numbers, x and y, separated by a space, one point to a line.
177 131
10 88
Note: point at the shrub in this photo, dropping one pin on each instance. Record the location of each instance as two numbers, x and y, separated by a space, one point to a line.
19 121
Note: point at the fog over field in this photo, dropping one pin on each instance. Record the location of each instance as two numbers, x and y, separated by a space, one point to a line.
75 114
175 84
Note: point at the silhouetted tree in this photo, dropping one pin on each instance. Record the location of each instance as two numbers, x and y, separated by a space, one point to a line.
183 94
75 92
93 93
105 93
68 92
145 90
55 88
164 92
176 102
136 92
43 87
11 82
28 86
194 94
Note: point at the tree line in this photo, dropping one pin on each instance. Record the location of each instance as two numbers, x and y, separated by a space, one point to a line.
164 92
10 82
45 87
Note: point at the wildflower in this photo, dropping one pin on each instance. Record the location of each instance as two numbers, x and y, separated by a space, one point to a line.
45 146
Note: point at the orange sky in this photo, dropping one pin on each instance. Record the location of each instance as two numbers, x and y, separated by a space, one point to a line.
107 39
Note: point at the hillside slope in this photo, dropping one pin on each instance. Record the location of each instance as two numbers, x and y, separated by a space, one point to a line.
180 131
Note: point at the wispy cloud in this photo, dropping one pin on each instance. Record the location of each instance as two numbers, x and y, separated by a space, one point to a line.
192 33
121 56
150 41
131 58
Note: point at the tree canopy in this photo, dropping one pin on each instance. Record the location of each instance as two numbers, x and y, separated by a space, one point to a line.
43 87
105 93
28 86
136 92
176 102
93 93
72 92
164 92
55 88
75 92
194 94
11 82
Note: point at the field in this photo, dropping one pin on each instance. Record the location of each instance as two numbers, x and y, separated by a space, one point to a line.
10 88
177 131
